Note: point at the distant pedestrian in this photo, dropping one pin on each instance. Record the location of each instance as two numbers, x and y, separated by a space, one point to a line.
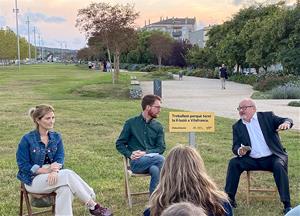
223 75
90 65
108 67
180 74
104 66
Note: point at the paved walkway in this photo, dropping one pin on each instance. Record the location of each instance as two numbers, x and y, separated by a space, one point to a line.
200 94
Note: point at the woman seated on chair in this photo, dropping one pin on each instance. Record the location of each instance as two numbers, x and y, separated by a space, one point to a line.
40 158
184 179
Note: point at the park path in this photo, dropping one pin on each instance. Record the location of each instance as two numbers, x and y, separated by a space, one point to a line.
201 94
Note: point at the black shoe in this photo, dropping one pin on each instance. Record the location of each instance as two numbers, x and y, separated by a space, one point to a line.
286 210
233 203
101 211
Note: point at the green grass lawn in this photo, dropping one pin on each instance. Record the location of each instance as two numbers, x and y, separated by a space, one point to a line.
90 113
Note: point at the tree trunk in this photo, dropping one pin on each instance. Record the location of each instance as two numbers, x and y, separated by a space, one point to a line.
112 71
159 62
117 65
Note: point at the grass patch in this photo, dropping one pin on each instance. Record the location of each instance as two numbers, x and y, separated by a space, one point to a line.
104 91
90 125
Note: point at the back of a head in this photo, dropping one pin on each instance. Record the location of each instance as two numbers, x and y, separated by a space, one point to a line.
183 209
184 179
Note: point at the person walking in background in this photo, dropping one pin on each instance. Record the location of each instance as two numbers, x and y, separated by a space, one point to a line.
184 179
108 67
223 75
104 66
180 75
90 65
257 146
40 159
142 140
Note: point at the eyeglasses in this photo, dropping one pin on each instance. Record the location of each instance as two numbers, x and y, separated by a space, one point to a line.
243 108
158 107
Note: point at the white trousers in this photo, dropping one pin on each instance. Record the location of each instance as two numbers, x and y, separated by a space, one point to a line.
222 82
68 185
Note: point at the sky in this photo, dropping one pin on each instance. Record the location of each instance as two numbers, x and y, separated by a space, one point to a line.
54 20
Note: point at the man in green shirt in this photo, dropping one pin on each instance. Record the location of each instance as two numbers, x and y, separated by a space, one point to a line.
142 140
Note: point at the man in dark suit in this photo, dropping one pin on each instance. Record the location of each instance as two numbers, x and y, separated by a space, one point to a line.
257 146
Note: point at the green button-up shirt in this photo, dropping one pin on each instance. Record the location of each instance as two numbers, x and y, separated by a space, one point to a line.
137 134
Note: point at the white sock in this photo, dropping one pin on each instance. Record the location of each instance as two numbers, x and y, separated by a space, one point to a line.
91 205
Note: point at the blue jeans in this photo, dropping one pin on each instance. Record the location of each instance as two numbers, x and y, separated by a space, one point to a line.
151 165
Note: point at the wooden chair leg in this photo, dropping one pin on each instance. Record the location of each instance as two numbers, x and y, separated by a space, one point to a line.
53 206
128 191
27 203
21 203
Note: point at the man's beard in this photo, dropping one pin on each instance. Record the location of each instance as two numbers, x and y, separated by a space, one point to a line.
150 113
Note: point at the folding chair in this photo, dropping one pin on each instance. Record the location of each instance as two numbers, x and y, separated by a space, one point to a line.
24 194
128 173
261 189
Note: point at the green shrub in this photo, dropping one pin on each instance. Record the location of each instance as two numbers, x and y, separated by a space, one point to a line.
135 67
149 68
270 82
294 103
161 75
290 90
203 72
170 68
244 79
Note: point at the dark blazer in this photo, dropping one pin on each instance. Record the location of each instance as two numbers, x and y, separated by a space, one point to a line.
269 124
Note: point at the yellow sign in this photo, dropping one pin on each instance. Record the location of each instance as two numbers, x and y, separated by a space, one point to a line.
191 122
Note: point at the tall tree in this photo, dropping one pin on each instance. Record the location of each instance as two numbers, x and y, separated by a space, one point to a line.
178 53
160 44
289 49
113 25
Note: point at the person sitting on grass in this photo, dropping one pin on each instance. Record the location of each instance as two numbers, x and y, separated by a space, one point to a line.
40 158
184 179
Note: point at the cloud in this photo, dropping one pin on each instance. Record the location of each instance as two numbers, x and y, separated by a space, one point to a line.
40 17
238 2
2 21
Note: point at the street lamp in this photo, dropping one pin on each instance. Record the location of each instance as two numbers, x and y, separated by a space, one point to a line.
29 52
34 44
16 10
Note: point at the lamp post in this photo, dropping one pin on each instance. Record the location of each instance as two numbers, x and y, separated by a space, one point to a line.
34 44
16 10
29 51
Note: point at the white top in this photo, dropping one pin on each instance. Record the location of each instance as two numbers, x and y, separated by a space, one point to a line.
258 142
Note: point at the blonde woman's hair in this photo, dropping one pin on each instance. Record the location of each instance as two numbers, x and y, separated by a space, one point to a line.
183 178
38 112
